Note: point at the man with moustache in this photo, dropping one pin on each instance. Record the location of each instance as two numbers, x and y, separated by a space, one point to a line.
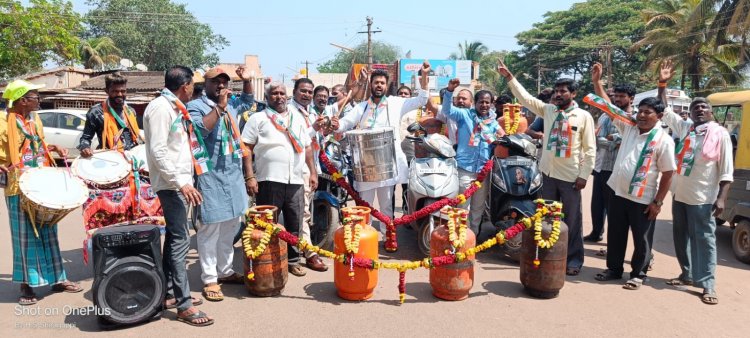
384 111
607 144
280 139
477 131
302 98
112 121
224 200
567 156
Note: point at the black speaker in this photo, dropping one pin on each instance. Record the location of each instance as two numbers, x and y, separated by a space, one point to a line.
129 283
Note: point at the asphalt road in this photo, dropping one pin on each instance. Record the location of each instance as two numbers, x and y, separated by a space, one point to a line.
497 306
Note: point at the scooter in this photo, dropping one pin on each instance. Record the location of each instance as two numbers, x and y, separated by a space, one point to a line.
433 175
516 184
329 197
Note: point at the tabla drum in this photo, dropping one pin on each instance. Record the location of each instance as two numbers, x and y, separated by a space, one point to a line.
49 194
103 170
373 154
139 154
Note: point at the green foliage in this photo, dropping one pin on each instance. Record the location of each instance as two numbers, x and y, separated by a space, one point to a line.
382 52
100 53
469 51
157 33
567 43
45 31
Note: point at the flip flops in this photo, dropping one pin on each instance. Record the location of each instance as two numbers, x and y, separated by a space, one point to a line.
607 275
28 297
709 297
168 305
679 282
192 319
67 286
213 293
633 284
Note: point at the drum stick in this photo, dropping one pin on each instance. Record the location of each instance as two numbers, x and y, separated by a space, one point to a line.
346 101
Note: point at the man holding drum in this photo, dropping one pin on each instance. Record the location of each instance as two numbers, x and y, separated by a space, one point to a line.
380 111
112 121
36 258
224 199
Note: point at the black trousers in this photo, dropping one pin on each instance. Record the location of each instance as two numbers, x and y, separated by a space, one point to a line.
290 200
563 191
624 215
600 196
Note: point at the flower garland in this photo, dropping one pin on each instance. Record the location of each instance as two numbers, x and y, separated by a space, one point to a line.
544 209
250 253
512 118
352 243
457 239
391 244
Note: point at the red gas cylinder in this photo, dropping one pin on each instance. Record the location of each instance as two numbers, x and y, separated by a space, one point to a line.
546 279
454 281
362 284
270 269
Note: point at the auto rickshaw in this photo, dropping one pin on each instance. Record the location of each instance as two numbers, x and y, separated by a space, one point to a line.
736 109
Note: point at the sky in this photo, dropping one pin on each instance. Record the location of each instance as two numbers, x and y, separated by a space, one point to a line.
284 34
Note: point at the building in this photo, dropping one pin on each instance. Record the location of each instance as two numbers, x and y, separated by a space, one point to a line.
676 99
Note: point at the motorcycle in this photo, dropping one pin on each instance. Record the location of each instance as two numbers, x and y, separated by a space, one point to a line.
516 184
329 197
433 175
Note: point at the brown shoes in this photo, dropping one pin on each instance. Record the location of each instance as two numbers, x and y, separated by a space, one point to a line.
315 263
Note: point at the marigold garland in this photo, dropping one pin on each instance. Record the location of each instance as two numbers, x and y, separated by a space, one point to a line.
512 118
253 253
457 238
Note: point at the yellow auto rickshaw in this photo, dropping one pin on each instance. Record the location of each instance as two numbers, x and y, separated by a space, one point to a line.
735 109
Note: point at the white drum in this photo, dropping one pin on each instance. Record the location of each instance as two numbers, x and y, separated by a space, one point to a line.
139 153
49 194
373 154
103 170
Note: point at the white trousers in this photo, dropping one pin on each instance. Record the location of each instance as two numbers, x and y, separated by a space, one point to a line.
385 202
304 230
216 249
475 204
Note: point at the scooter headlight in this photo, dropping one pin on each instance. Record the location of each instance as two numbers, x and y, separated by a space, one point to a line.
499 182
536 182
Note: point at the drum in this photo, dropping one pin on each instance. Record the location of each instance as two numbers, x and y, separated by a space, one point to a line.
139 153
49 194
373 154
104 170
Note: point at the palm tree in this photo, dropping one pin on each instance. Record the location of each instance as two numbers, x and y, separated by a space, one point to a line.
99 53
671 33
732 21
470 51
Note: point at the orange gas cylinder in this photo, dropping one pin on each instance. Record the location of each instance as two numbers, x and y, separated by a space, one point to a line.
454 281
270 269
361 285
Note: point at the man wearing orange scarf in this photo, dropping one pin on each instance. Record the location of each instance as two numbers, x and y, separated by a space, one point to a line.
36 259
112 121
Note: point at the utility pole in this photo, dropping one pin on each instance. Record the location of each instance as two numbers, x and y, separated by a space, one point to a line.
369 41
608 63
307 68
538 76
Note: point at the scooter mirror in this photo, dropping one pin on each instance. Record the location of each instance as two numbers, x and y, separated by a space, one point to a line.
414 127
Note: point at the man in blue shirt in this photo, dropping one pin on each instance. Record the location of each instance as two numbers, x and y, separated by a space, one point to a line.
477 130
224 197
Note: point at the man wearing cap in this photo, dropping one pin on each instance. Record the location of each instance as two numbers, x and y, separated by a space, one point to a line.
112 121
224 199
36 258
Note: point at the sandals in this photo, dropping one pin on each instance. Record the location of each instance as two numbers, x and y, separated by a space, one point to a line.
679 282
28 297
67 286
235 278
709 297
602 252
607 275
633 284
212 292
194 319
572 271
171 304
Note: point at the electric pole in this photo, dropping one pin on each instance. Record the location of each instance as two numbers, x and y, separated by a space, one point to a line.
369 41
538 76
608 63
307 68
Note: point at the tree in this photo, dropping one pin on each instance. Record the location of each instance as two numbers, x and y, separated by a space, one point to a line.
704 58
157 33
382 52
46 31
567 43
469 51
99 53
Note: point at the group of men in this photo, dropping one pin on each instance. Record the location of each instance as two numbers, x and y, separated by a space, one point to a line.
199 156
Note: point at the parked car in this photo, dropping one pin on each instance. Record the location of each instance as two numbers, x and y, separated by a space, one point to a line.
64 127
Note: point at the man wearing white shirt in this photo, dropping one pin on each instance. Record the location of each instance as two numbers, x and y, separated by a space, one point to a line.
381 111
645 154
167 125
704 174
302 98
280 139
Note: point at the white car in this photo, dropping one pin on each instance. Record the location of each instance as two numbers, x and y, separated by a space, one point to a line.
64 127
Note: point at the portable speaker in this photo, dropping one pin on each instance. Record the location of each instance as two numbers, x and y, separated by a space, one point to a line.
129 283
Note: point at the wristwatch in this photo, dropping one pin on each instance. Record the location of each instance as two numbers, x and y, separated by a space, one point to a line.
658 203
